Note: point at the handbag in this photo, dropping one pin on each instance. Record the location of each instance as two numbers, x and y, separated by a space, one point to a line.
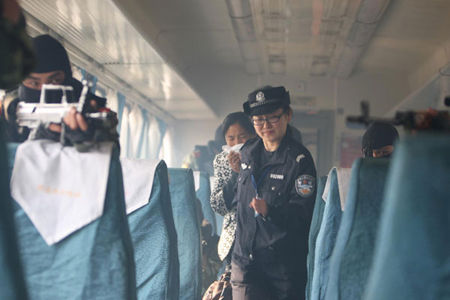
219 289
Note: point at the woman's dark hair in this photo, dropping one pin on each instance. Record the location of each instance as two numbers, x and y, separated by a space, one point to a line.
240 118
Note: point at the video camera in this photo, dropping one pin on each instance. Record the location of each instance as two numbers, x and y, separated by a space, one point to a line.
430 120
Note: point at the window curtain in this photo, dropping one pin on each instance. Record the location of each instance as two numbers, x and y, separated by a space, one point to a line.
162 129
112 101
166 151
125 143
120 109
142 135
101 91
90 78
136 125
154 137
144 152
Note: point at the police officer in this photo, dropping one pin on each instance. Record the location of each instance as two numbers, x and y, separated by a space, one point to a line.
378 141
275 198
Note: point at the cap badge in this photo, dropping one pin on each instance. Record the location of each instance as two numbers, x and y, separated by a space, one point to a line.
260 97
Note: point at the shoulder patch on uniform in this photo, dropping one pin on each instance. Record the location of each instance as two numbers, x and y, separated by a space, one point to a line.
277 176
300 157
304 185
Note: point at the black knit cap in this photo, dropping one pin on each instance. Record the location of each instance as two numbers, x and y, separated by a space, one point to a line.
266 100
378 135
50 56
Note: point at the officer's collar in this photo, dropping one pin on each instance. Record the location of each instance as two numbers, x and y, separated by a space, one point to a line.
279 157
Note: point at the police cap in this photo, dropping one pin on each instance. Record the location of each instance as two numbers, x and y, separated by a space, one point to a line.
266 100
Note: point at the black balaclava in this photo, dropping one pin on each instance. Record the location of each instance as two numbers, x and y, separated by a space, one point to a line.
50 56
378 135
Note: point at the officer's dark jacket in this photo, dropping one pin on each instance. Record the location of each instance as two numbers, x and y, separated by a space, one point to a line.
283 234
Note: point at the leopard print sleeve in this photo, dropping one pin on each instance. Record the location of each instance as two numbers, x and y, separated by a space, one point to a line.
222 173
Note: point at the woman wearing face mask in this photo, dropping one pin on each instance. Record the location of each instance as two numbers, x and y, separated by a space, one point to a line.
236 129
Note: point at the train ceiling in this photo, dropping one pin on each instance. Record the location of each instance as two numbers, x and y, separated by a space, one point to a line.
199 59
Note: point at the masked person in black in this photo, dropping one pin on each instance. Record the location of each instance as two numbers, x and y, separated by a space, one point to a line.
378 140
53 67
275 197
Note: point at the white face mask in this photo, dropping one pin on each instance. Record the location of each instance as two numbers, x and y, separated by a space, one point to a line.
236 148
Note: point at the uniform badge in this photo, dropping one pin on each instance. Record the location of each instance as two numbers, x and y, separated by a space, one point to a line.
277 176
304 185
243 166
299 158
260 97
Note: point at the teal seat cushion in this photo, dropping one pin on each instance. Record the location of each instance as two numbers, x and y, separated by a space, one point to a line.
326 239
219 223
12 284
412 256
154 238
353 253
319 207
203 194
95 262
185 213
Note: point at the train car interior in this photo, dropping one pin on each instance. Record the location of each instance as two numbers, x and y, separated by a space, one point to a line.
138 217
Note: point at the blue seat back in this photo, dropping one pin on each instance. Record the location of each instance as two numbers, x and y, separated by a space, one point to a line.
326 239
154 238
185 213
219 223
412 256
95 262
12 284
352 256
319 207
203 194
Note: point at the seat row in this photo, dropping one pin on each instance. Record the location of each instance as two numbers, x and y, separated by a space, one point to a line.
389 238
152 252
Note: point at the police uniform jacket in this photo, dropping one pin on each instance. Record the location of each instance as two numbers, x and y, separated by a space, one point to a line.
289 189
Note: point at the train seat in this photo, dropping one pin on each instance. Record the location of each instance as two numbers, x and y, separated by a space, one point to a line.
326 237
203 192
184 208
319 207
152 229
412 256
94 262
352 256
12 283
